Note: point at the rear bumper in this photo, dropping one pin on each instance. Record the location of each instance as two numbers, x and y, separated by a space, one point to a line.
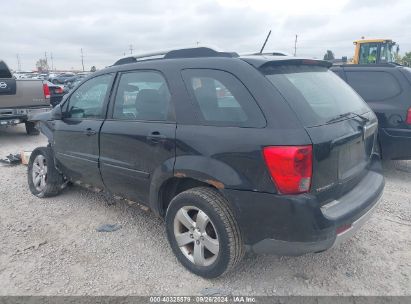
395 143
295 225
16 116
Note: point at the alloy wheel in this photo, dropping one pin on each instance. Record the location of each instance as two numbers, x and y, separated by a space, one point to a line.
196 236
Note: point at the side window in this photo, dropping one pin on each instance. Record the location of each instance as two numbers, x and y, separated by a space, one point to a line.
373 86
88 100
368 53
142 95
221 99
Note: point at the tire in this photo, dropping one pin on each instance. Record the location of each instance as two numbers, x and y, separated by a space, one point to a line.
31 128
216 225
51 181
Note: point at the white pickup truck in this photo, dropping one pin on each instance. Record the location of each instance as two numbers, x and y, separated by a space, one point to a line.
20 99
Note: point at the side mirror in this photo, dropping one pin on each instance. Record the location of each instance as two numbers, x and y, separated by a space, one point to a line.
56 113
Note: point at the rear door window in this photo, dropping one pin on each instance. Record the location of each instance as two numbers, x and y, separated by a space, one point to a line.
374 86
221 99
142 95
315 93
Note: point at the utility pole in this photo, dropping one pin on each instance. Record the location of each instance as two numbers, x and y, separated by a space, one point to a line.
18 63
82 58
131 49
295 45
52 63
45 57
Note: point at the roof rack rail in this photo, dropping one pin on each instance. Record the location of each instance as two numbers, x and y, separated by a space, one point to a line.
176 53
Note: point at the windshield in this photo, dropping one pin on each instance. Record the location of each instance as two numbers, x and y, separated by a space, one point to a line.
387 52
315 93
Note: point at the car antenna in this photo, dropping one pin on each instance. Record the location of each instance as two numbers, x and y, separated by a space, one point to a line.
266 39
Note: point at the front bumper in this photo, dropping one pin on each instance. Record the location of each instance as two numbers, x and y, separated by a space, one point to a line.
295 225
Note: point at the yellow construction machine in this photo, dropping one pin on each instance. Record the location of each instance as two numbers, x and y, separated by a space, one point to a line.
374 51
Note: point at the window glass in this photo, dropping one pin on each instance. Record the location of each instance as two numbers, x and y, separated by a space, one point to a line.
315 93
368 53
142 95
88 100
374 85
222 99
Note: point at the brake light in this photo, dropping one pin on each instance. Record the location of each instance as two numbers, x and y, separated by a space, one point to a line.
408 120
46 91
290 167
58 90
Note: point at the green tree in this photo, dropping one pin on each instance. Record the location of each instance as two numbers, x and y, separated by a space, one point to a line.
406 60
329 55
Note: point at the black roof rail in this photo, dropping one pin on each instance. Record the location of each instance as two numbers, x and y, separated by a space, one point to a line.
196 52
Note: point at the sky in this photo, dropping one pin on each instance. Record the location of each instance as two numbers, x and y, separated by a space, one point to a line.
106 29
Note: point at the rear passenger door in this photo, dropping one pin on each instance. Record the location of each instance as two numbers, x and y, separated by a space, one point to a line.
137 141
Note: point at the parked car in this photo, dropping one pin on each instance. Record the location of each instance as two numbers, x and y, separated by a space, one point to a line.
284 160
21 98
56 93
387 89
73 78
71 85
60 78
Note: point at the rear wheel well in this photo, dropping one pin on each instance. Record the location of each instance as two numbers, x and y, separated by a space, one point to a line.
174 187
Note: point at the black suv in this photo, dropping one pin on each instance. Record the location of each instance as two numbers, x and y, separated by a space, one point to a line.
387 90
259 153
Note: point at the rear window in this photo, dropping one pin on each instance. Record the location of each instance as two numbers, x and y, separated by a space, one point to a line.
315 93
374 86
407 72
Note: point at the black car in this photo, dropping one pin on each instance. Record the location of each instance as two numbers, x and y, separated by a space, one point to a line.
259 153
56 93
387 89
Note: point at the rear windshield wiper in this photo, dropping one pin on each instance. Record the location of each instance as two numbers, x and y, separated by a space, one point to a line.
338 117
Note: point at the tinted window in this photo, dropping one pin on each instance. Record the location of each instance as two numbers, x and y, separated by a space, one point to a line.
142 95
407 73
222 99
316 94
88 100
374 85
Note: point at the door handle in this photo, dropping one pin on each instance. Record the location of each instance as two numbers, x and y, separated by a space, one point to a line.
155 137
90 131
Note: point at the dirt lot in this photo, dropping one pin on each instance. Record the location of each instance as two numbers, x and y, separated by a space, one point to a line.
51 247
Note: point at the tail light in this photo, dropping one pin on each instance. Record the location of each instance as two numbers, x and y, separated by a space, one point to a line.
46 91
408 120
290 167
58 90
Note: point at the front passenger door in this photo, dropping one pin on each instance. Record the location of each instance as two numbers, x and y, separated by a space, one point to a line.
76 136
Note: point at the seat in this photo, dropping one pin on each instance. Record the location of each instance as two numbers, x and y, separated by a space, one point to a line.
150 105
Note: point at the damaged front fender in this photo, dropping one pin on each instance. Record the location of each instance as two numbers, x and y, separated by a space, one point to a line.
45 121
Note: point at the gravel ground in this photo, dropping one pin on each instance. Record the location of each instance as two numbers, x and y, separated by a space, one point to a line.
51 247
